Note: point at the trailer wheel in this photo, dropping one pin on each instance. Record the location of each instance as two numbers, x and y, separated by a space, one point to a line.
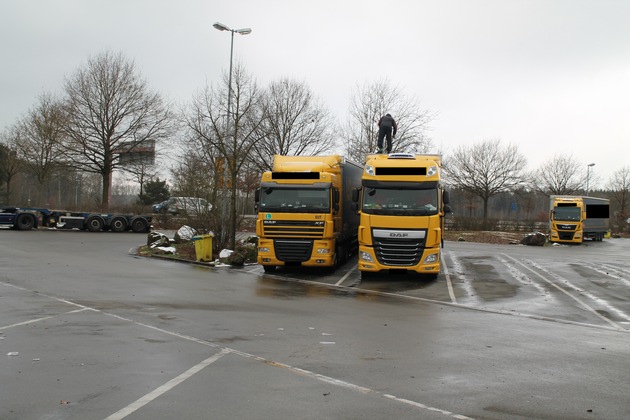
95 224
139 225
118 224
25 222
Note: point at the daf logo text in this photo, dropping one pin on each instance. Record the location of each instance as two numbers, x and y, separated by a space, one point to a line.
398 235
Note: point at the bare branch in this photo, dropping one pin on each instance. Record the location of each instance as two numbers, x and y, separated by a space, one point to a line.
111 109
371 101
486 169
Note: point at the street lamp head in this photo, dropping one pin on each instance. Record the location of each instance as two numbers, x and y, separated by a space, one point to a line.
591 164
244 31
221 27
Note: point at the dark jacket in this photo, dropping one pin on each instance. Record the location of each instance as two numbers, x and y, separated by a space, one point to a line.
387 122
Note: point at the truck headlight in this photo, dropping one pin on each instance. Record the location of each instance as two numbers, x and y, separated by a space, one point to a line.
323 251
431 259
369 169
365 256
263 249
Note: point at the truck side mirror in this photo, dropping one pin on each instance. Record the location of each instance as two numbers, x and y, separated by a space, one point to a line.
257 199
355 207
336 199
446 197
355 195
447 208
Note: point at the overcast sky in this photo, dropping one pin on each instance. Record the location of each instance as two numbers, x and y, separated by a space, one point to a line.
552 76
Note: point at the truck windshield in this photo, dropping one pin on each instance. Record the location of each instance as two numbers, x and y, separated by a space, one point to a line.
566 214
400 202
295 200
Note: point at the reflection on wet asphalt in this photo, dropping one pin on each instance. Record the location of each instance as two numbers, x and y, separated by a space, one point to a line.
585 284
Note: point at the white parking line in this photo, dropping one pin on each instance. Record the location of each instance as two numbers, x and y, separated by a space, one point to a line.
31 321
351 386
449 284
578 300
610 271
466 283
141 402
344 277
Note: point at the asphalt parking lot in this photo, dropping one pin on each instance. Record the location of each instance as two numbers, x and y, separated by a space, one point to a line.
89 331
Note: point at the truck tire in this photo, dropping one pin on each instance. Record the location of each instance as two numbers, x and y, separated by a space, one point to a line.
139 225
95 223
25 222
269 268
118 224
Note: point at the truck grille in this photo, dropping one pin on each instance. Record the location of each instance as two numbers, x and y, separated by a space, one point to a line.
293 250
293 228
399 252
564 226
565 231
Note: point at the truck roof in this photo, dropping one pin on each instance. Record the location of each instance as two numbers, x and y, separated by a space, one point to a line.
328 163
395 159
573 198
403 167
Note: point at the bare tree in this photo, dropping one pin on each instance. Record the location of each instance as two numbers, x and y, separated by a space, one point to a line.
560 175
249 181
230 146
39 144
619 186
111 111
192 177
486 169
294 123
368 104
10 164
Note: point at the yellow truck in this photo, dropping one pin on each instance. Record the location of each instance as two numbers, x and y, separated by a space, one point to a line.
575 218
402 205
305 215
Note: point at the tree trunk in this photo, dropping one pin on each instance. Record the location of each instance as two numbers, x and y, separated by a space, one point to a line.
485 213
107 185
233 213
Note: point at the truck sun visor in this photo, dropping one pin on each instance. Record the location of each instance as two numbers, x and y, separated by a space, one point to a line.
295 175
401 171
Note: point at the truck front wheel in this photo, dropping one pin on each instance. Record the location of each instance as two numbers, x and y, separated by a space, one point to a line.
269 268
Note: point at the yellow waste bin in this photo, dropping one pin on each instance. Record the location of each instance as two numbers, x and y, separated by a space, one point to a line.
203 247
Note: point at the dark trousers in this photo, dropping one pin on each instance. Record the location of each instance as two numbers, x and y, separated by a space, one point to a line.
385 132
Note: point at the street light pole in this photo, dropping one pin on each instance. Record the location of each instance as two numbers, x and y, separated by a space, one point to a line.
588 176
242 31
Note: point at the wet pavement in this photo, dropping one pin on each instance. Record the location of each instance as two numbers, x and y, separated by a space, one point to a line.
505 332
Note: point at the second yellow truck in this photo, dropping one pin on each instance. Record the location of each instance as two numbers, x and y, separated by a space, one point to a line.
402 204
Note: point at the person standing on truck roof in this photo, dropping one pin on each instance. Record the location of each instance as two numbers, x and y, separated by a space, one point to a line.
387 128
